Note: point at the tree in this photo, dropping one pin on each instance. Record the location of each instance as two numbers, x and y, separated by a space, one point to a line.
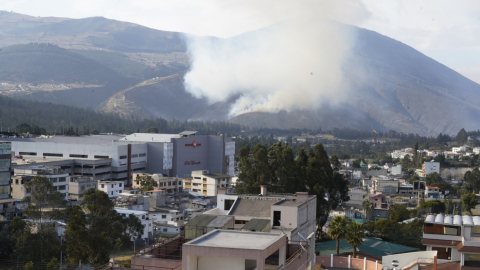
473 180
398 212
95 238
53 264
152 130
367 206
355 236
469 200
335 163
28 266
338 230
44 200
146 182
462 136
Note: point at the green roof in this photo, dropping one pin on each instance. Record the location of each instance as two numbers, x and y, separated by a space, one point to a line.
371 246
256 224
200 220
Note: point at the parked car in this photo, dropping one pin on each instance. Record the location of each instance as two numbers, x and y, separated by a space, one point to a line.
31 161
14 163
18 156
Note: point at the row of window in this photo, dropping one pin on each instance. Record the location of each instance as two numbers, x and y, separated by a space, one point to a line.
61 155
103 185
134 156
164 184
4 163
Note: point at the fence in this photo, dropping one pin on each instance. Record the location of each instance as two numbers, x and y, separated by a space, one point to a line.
348 262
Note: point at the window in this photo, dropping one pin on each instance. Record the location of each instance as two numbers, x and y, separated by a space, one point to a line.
54 180
62 187
204 178
143 216
96 156
180 182
16 181
27 153
142 155
228 204
164 229
164 216
52 155
78 156
475 231
123 157
135 156
82 188
120 185
169 183
443 253
4 163
277 216
102 185
62 179
112 185
112 192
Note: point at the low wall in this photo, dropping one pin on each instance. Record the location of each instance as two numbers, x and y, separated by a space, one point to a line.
406 258
342 262
155 264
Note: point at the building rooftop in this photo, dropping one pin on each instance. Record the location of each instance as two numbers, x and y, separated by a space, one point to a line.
453 220
253 207
135 212
236 239
371 246
92 139
256 224
149 137
217 175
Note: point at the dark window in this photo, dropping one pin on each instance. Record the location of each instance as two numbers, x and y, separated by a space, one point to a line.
164 230
27 153
228 204
442 229
443 253
102 185
16 181
52 155
62 179
120 185
277 216
123 157
78 156
164 216
135 156
100 156
142 155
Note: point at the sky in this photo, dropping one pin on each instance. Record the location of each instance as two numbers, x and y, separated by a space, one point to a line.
448 31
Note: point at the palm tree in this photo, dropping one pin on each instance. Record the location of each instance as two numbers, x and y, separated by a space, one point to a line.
355 236
338 230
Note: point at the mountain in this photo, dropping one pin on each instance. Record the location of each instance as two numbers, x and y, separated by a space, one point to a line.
88 33
392 85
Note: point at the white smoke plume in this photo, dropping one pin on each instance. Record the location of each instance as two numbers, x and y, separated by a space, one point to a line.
293 64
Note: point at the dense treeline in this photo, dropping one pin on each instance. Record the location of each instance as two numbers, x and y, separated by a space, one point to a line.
62 119
283 172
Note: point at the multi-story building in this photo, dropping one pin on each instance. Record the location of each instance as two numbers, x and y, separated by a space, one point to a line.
169 154
171 185
78 185
208 183
7 204
58 177
429 167
455 238
112 188
384 185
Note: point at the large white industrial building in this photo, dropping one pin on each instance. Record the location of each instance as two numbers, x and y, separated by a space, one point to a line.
116 157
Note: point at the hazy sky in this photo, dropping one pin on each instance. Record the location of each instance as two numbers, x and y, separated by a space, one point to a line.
448 31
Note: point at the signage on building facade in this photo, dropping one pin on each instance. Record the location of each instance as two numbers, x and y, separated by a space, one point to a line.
191 162
194 144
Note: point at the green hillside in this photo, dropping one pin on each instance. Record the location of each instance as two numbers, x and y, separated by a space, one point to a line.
37 63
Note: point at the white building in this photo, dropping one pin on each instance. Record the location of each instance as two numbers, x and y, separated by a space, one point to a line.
208 183
395 170
430 167
167 216
112 188
143 216
476 150
458 150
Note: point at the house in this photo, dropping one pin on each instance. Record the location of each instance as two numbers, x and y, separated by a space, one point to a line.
112 188
455 238
78 185
432 192
57 176
429 167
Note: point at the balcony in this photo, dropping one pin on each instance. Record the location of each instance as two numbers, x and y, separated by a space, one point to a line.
205 182
188 185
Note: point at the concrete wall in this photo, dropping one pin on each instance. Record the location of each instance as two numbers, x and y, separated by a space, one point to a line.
155 158
342 262
168 264
209 263
406 258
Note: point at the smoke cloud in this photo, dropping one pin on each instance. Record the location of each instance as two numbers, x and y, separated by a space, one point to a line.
293 64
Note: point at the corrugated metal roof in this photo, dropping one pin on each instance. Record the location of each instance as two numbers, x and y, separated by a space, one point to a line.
201 220
256 224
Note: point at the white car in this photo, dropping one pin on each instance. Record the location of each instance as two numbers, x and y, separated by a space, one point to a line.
31 161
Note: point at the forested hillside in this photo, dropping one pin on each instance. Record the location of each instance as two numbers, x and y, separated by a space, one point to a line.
55 119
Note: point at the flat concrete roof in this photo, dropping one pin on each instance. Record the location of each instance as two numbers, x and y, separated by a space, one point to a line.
236 239
149 137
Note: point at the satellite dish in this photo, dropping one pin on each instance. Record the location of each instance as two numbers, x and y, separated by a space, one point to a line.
304 239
